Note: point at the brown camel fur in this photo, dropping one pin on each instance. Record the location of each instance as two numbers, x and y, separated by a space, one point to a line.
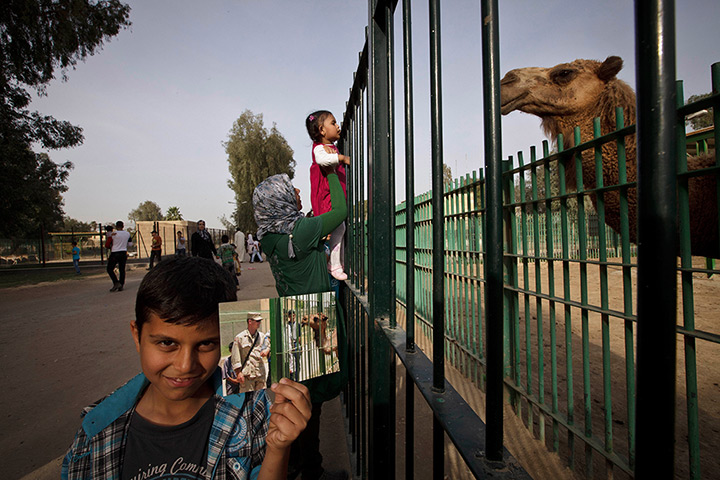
573 94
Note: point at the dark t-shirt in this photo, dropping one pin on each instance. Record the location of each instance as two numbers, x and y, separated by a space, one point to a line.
178 452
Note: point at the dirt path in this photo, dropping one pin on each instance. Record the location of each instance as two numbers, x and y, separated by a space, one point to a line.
64 345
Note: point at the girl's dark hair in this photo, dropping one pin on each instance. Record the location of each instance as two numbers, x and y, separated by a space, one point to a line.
184 291
313 122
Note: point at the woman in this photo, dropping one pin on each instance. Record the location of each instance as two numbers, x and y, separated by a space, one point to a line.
294 247
293 243
201 243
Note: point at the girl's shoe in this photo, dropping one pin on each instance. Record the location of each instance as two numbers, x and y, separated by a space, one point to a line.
338 273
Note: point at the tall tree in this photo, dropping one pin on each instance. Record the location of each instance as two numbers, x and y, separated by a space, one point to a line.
147 210
254 153
36 38
32 187
173 213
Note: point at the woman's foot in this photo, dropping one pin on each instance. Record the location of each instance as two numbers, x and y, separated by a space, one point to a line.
338 274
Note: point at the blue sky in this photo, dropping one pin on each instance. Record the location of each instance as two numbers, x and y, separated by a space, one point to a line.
158 101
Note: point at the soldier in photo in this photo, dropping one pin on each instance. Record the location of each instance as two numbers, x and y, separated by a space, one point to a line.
247 355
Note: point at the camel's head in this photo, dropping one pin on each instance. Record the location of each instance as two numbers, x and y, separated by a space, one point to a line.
563 90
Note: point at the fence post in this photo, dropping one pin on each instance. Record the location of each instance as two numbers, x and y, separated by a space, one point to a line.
381 238
494 239
657 237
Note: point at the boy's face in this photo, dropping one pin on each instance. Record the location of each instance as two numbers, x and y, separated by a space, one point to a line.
177 359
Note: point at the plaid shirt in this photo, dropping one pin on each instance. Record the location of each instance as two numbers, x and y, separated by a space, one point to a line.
236 444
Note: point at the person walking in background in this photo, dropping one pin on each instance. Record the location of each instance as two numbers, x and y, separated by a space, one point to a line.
155 248
227 256
118 256
201 243
254 249
76 257
324 132
239 241
180 247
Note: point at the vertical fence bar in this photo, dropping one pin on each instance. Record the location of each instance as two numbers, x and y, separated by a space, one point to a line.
381 243
494 244
438 232
657 236
688 298
409 237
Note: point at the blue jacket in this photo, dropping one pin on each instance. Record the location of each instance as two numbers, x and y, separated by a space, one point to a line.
236 444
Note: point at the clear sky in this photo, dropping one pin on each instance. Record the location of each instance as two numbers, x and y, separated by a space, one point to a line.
157 103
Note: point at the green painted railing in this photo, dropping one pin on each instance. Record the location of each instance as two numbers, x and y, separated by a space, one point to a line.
582 345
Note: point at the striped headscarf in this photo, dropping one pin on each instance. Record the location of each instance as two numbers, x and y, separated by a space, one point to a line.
276 208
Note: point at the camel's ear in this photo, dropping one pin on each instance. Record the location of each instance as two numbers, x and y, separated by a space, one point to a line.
609 68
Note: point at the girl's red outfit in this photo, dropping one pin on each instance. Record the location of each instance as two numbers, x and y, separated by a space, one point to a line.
319 188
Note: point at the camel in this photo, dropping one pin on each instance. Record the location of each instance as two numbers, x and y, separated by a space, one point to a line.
573 94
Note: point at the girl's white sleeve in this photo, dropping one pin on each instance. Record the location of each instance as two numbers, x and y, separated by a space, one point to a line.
323 158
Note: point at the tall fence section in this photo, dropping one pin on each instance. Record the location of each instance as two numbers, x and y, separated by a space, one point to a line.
542 306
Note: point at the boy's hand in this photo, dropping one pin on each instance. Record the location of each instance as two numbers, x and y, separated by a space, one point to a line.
290 413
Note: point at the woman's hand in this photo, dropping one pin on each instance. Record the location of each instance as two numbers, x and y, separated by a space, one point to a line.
290 413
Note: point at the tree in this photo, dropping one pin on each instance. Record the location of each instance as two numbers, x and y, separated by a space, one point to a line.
173 213
72 225
447 174
147 210
37 37
700 120
32 187
254 153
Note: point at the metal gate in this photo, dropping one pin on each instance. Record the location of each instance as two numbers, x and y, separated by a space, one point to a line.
489 260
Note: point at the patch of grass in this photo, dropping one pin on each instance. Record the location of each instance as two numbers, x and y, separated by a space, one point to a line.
10 277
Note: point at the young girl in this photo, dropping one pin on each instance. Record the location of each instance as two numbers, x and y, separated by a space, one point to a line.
324 132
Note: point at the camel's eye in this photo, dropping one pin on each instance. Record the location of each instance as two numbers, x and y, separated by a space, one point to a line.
563 76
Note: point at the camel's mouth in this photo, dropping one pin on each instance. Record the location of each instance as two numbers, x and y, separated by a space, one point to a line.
512 104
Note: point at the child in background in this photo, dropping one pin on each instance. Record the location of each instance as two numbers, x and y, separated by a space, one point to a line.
181 248
324 132
76 257
227 256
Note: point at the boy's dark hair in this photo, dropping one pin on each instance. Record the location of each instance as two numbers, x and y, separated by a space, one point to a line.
224 239
313 122
183 291
119 224
73 243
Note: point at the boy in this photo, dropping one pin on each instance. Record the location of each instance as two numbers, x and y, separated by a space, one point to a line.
171 421
76 257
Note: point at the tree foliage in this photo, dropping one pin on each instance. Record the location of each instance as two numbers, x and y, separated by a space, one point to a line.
147 210
447 174
32 186
173 213
72 225
703 120
254 153
36 38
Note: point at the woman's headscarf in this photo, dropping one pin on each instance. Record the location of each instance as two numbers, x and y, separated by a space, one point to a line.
276 208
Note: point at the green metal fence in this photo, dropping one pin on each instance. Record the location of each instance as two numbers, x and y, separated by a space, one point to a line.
542 306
